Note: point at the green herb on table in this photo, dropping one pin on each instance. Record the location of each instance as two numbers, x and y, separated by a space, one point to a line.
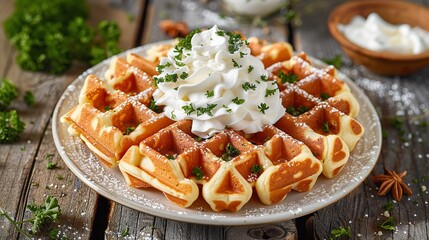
49 156
8 93
42 215
388 206
125 232
29 98
51 165
10 126
389 224
335 61
197 173
230 152
247 86
49 36
341 232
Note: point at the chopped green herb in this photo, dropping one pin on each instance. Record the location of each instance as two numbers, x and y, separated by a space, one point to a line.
238 101
210 93
250 69
59 177
153 106
220 33
171 77
207 110
325 127
107 108
173 116
53 233
49 156
247 86
185 43
335 61
189 109
160 67
263 107
296 111
29 98
235 42
51 165
124 232
341 232
256 168
230 152
389 224
270 92
388 206
198 173
184 75
242 54
235 64
198 139
170 157
415 180
22 148
288 78
179 63
129 130
11 126
324 96
264 78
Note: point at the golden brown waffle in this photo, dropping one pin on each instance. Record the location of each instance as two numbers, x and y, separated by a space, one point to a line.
229 167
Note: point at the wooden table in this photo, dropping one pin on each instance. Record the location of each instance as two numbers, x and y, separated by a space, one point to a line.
25 179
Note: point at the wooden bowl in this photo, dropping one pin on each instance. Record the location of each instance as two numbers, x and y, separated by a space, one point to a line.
395 12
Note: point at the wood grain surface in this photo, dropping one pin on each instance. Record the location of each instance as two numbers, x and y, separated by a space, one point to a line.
24 177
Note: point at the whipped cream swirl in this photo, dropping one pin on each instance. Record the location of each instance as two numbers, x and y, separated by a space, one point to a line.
211 78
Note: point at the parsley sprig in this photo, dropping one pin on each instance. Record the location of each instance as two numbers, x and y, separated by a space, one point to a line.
341 232
288 78
42 215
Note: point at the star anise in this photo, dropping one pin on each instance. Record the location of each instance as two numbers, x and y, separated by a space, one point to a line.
391 181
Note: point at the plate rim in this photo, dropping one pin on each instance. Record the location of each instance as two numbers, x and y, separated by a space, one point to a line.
204 218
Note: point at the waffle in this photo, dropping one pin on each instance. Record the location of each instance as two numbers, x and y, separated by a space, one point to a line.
228 168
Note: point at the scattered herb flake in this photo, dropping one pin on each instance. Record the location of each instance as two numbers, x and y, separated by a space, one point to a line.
388 206
129 130
235 64
325 127
184 75
29 98
335 61
263 107
198 173
230 152
250 69
288 78
153 106
51 165
189 109
238 101
210 93
389 224
341 232
256 168
270 92
264 78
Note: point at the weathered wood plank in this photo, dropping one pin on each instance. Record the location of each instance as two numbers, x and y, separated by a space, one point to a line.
24 177
403 98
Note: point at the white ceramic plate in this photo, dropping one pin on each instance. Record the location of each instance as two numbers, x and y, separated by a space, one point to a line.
111 184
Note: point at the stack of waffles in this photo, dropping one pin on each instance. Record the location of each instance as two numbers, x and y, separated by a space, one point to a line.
119 122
